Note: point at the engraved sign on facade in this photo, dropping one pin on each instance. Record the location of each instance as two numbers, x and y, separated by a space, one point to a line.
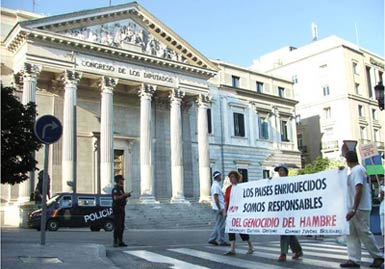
129 72
125 34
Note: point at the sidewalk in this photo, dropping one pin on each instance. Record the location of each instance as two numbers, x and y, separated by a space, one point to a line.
54 255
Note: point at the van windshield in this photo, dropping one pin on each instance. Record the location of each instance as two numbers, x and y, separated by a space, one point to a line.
53 200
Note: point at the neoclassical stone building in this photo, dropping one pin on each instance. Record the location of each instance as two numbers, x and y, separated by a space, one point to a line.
136 99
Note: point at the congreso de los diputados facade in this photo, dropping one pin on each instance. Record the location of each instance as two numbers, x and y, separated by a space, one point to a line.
134 98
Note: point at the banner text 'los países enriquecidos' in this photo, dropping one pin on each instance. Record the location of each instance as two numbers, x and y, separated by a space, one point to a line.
313 204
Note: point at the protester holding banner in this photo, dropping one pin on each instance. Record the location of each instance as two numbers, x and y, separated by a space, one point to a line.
218 205
288 240
359 203
235 177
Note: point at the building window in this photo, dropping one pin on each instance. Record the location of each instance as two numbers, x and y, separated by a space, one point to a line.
281 92
363 133
326 90
357 87
294 79
259 87
266 173
239 124
369 82
244 173
376 135
284 131
118 162
361 113
300 141
235 81
327 113
355 68
209 124
374 114
263 129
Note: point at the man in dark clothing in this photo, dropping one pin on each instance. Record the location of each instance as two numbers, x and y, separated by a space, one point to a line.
38 194
118 206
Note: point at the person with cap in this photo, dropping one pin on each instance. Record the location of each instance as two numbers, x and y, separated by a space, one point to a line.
288 240
359 204
118 208
217 204
235 178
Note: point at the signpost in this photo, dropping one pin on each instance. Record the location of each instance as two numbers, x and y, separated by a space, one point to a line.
48 129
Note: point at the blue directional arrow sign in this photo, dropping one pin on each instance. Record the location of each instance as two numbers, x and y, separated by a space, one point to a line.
48 129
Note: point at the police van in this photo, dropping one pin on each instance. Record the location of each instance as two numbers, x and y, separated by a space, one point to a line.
76 210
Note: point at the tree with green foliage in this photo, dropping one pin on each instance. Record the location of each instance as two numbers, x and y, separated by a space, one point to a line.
318 165
18 141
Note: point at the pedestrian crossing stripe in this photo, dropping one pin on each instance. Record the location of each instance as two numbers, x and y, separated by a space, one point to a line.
313 254
320 252
317 253
225 259
154 257
261 253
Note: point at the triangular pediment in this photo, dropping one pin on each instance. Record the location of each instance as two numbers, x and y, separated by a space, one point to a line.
126 27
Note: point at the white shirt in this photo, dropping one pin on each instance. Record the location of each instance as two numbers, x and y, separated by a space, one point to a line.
357 175
216 189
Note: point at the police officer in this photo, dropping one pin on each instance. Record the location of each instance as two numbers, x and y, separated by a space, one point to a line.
118 206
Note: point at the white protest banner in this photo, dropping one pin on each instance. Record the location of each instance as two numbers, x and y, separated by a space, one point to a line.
311 204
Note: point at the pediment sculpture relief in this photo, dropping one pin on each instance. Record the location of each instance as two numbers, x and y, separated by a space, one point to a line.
127 35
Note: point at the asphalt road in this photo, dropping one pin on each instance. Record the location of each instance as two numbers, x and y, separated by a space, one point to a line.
189 249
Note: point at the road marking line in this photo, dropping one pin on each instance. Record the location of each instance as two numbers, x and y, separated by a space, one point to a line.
306 260
239 263
315 253
154 257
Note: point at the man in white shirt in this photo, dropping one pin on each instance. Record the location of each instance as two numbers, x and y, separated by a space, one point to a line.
218 204
359 202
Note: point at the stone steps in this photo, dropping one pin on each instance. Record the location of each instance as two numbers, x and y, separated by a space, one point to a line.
169 216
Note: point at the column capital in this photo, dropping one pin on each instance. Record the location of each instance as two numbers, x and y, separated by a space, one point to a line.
204 100
147 90
253 105
31 70
71 76
176 95
107 84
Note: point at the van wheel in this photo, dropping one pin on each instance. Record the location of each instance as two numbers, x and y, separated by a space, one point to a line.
95 228
52 225
108 226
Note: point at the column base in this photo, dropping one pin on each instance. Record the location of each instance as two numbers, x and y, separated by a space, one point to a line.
205 199
147 199
23 199
179 200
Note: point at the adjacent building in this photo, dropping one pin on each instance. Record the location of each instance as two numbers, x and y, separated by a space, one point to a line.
136 99
334 83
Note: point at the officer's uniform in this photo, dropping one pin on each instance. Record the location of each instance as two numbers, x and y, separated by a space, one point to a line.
118 207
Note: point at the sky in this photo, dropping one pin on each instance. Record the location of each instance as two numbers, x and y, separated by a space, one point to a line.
239 31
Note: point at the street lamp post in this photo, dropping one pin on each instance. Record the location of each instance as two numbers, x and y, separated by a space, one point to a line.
379 92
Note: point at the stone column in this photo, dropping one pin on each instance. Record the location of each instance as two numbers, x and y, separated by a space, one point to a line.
252 123
257 119
203 149
176 141
29 77
293 131
225 116
71 79
107 86
146 167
